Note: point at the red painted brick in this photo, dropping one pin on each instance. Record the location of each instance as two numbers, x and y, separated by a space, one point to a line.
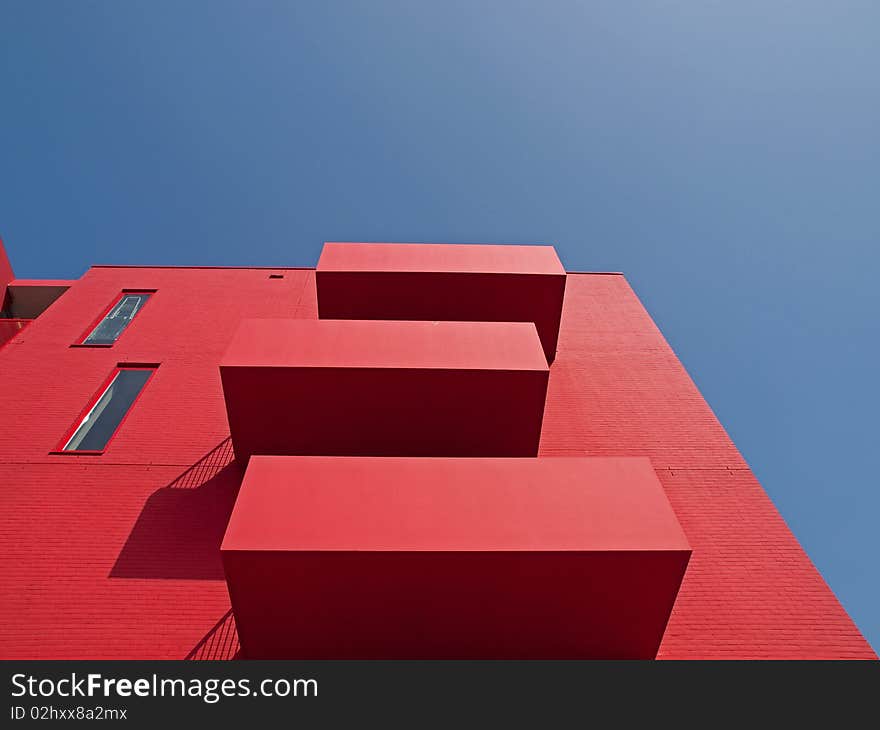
117 555
617 389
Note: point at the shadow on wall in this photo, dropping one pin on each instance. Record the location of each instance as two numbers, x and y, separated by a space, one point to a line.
181 526
221 642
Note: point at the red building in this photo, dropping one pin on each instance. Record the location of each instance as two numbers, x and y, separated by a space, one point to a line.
410 451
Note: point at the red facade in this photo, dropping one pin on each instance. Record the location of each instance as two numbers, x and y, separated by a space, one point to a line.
117 554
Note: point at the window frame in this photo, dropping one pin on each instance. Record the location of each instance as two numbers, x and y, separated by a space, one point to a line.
81 342
93 402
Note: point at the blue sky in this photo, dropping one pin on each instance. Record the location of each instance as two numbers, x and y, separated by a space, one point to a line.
724 156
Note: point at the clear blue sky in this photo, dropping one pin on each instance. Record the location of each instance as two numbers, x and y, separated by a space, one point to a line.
725 156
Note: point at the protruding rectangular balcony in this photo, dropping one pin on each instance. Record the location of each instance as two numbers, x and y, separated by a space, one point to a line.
399 558
378 388
408 281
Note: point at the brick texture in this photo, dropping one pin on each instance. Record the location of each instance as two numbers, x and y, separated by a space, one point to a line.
117 556
617 389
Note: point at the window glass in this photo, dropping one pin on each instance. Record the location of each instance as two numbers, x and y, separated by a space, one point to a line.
117 319
101 422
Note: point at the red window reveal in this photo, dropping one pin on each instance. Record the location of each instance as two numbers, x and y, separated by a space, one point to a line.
119 315
107 410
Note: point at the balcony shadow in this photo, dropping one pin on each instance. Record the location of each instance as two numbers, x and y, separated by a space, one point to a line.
181 526
221 642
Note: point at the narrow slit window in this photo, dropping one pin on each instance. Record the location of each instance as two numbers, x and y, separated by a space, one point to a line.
110 406
117 318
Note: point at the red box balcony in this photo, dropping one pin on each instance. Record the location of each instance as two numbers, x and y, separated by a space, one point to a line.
404 281
368 388
399 558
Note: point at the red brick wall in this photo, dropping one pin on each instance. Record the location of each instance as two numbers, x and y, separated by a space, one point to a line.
117 555
750 591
